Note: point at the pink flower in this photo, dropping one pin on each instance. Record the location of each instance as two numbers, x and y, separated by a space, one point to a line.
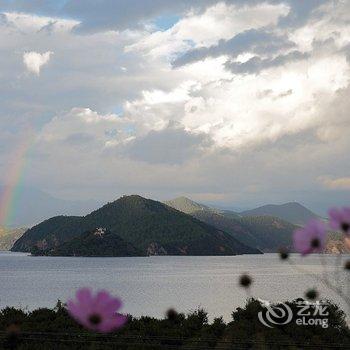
97 313
311 238
339 219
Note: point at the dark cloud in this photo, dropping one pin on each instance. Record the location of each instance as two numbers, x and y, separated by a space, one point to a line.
103 15
257 64
39 7
3 19
121 14
300 12
172 145
258 41
79 139
48 28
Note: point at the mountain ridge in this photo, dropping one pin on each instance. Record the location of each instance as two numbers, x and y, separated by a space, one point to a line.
95 243
292 212
265 233
145 223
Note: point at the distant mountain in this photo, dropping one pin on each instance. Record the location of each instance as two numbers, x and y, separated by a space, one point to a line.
150 226
188 206
292 212
33 206
265 233
270 233
227 223
9 236
98 242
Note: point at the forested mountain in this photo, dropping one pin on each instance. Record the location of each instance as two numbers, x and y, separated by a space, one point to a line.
292 212
266 233
99 242
232 225
150 226
270 233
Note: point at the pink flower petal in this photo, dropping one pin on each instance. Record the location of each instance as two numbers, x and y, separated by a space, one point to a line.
84 296
339 217
107 304
113 323
102 305
305 238
77 312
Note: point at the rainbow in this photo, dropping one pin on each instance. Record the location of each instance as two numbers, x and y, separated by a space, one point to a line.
13 180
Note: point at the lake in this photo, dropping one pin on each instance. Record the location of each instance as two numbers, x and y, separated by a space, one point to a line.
150 285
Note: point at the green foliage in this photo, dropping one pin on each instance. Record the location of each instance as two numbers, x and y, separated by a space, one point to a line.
90 244
59 228
54 329
246 328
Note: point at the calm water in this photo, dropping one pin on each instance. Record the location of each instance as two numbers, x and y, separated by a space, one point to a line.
151 285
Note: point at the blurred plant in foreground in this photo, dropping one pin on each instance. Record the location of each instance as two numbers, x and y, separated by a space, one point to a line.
97 313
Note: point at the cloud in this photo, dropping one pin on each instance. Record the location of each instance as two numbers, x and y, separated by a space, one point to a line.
256 64
35 60
342 183
264 130
171 145
197 32
81 126
109 15
121 15
252 40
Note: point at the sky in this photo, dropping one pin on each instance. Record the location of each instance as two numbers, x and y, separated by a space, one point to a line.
234 103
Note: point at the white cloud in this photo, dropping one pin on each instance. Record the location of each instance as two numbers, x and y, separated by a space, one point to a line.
83 127
30 23
342 183
266 133
35 60
230 108
221 21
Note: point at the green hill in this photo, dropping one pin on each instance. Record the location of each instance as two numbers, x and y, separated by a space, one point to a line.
271 233
265 233
98 242
292 212
228 224
150 226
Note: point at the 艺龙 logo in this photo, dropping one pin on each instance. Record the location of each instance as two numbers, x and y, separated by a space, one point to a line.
275 315
306 314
